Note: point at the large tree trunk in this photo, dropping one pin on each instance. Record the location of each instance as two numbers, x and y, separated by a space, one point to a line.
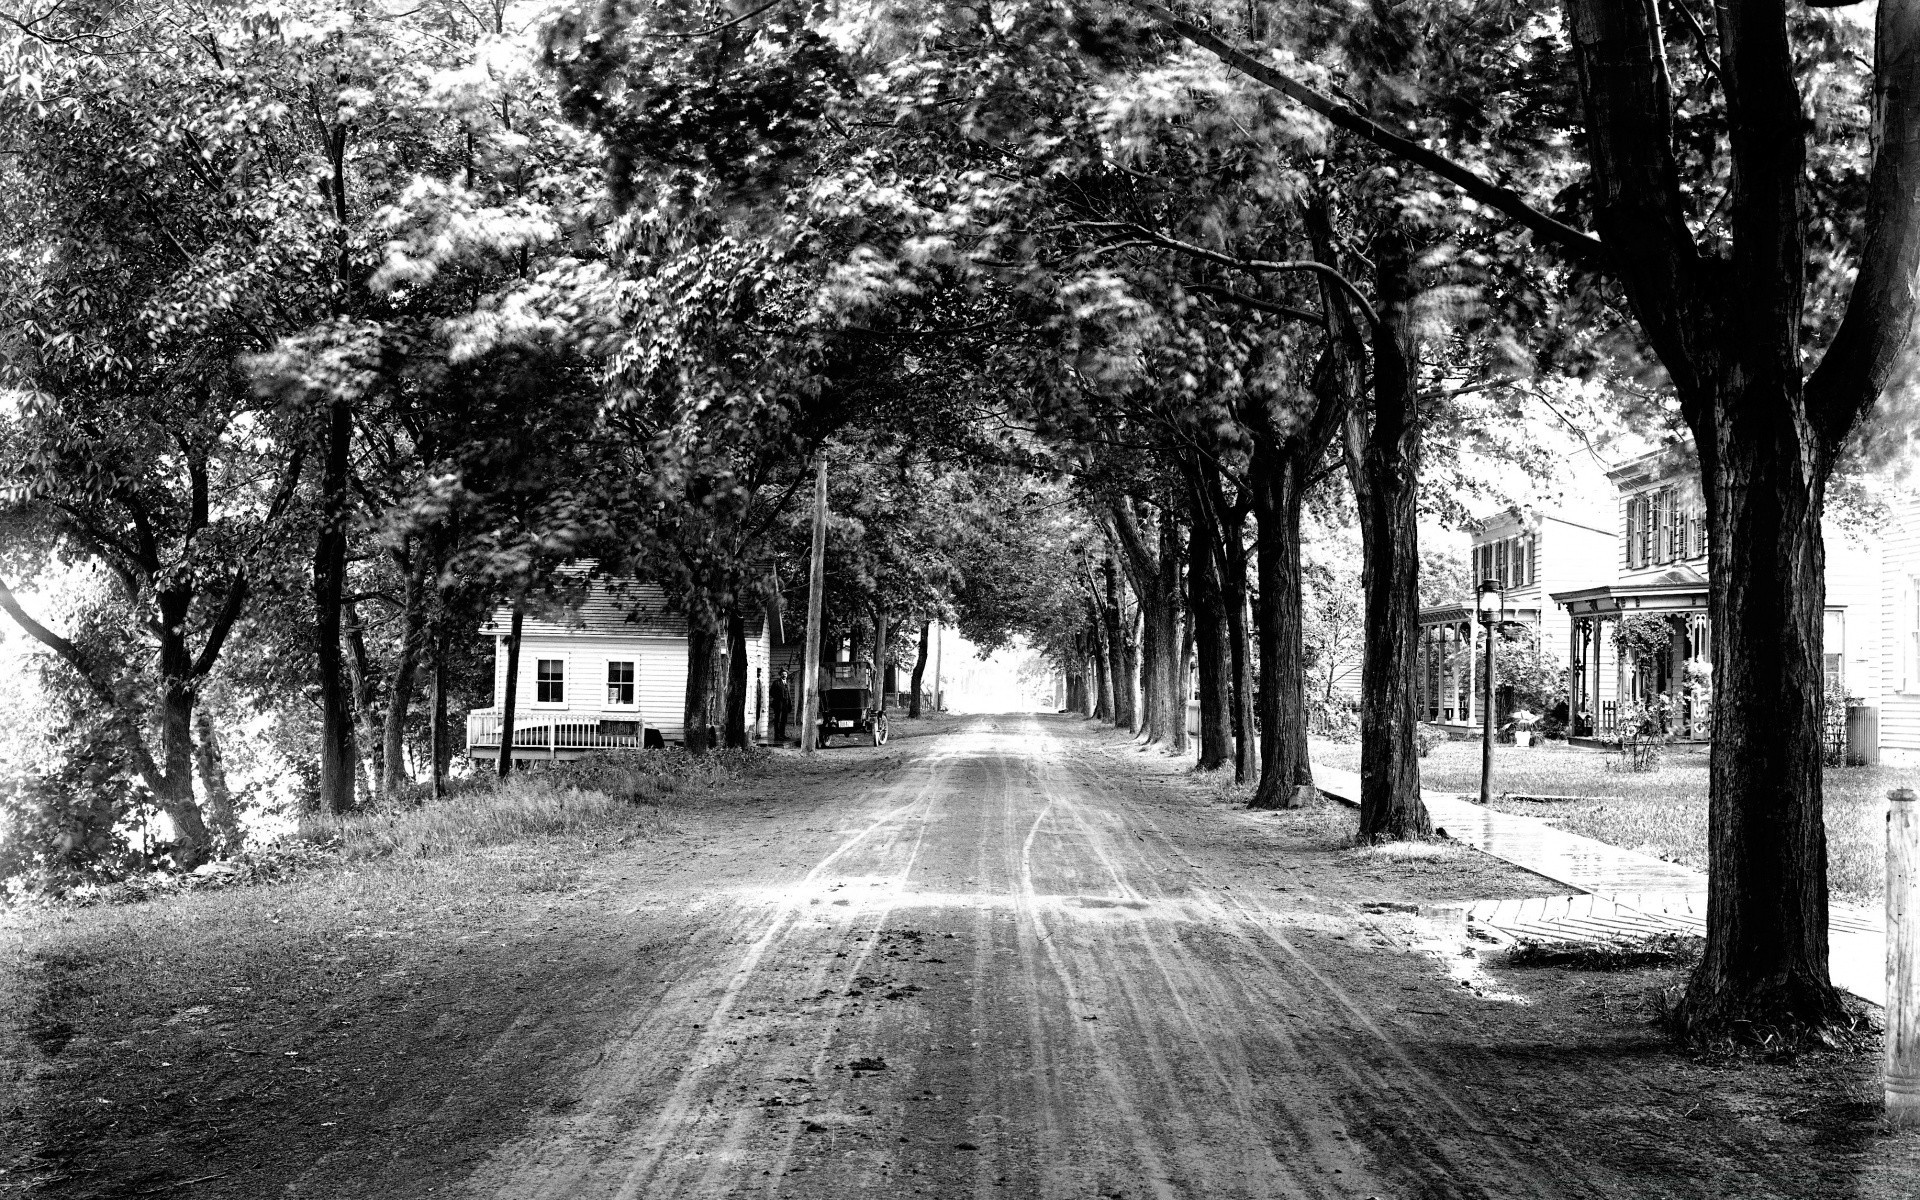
1246 753
1102 678
172 783
329 588
439 749
1384 467
209 765
503 764
1286 770
1176 662
413 631
919 668
1766 953
1156 583
737 682
366 718
696 713
175 793
1209 627
1119 668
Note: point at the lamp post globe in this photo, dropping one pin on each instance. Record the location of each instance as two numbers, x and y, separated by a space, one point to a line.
1490 602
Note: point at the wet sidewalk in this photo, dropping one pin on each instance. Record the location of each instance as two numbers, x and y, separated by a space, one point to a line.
1621 894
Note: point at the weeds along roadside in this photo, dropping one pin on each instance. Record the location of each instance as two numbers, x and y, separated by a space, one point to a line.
263 921
123 994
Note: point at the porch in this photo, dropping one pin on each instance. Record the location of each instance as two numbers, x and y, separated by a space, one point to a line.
1449 659
560 736
1662 660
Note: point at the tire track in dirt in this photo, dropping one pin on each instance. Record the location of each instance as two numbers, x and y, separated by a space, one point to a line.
564 1165
1075 1006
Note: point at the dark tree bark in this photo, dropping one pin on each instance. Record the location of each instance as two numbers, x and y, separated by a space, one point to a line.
919 668
736 729
366 717
329 589
1209 624
1226 520
210 765
696 716
439 748
1097 645
416 568
504 763
1383 465
1279 486
1119 662
1156 579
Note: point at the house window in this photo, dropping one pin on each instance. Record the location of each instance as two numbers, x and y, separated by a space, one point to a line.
1833 645
620 684
550 681
1907 626
1500 565
1636 532
1660 523
1533 558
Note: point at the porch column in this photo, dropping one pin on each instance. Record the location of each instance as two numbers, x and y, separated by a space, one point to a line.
1676 676
1573 671
1593 673
1473 669
1623 681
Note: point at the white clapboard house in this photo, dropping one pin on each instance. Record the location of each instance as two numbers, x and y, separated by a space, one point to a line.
608 674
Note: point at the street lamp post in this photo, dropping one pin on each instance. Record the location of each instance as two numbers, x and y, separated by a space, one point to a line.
1490 602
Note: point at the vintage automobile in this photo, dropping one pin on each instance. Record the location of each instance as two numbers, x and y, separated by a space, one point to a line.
850 711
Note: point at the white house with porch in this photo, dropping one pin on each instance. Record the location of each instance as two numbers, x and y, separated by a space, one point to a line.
1655 585
1530 553
608 674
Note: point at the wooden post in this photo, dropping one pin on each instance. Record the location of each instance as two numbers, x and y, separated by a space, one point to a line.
816 589
503 765
1903 951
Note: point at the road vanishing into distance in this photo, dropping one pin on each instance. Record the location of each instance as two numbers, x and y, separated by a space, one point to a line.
1021 964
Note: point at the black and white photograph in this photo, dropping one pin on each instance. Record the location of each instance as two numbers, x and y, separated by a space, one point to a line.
967 599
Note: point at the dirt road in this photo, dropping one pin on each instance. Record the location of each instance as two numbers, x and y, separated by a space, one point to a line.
1011 968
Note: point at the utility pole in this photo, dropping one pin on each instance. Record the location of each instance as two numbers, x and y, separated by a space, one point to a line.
816 587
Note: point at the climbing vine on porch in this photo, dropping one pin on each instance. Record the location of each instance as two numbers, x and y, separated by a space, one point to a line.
1643 636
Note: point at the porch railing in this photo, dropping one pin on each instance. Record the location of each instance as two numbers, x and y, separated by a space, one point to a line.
554 732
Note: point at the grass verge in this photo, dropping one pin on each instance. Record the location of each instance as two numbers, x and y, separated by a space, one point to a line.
1662 813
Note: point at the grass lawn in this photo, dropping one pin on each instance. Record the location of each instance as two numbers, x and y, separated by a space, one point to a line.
1662 812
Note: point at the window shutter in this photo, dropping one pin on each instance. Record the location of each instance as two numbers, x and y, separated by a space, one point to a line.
1533 558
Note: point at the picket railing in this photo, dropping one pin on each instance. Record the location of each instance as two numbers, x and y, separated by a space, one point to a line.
553 732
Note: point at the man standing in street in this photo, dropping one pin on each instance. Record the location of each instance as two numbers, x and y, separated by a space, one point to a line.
782 702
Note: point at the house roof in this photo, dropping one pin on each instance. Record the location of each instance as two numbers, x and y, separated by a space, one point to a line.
1681 589
1528 516
618 606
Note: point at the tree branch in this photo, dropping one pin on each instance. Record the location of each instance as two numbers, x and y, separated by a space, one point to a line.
1582 247
1254 302
1880 313
1265 265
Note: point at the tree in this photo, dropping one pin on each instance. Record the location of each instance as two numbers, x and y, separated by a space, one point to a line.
1717 279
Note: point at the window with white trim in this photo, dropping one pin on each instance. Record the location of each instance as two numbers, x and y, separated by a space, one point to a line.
620 683
550 681
1833 648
